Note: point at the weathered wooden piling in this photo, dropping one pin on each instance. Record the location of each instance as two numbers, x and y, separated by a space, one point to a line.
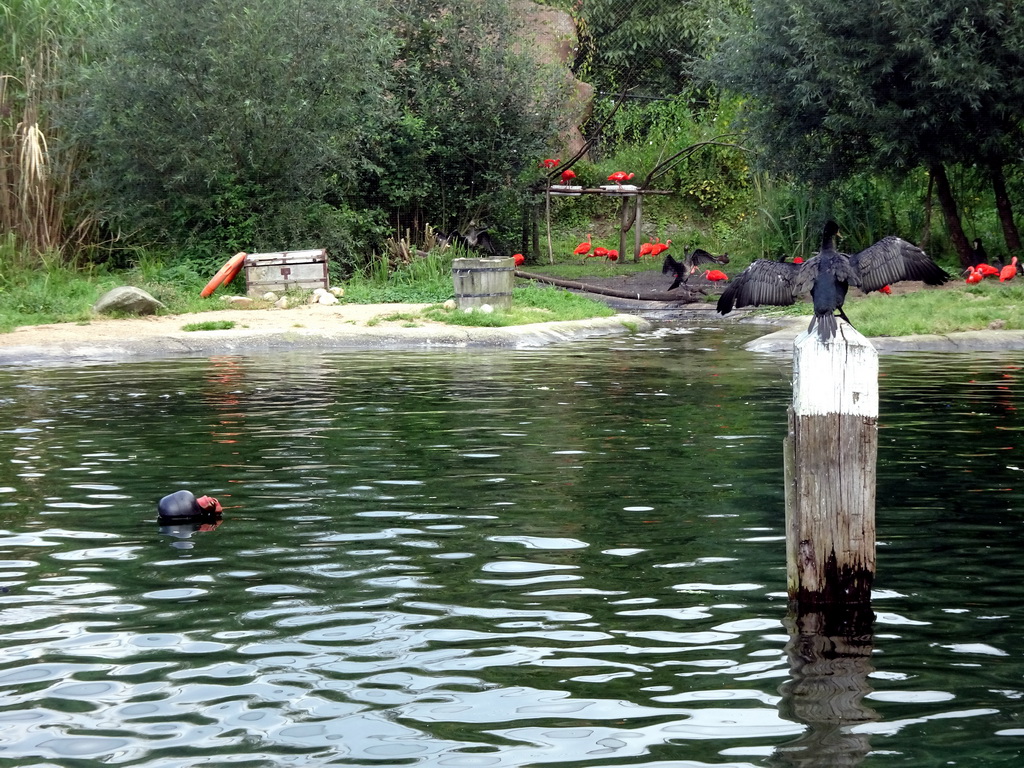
830 454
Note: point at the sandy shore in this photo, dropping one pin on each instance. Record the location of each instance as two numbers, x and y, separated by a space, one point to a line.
352 326
382 326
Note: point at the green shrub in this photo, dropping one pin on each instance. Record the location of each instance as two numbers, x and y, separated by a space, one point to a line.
229 125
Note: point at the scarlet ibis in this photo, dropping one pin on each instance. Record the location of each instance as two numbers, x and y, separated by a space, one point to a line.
582 248
613 255
660 248
1009 271
549 162
518 259
987 270
715 275
568 175
647 249
886 289
689 265
798 259
975 276
620 176
828 276
600 252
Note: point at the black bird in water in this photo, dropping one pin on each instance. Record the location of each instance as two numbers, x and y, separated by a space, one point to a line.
689 265
828 276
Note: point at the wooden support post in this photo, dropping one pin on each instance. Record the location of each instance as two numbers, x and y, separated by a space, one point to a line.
535 231
830 455
636 229
547 218
623 227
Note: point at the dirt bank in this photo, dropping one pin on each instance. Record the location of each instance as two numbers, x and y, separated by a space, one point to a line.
352 326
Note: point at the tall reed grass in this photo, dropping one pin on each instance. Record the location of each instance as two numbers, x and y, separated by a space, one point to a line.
421 279
36 167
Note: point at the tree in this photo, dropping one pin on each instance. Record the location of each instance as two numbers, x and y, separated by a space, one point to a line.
649 45
472 108
222 125
887 85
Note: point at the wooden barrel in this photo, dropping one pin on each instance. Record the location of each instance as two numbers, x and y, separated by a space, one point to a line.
483 281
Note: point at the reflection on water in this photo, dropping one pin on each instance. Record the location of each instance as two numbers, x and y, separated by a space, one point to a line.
572 556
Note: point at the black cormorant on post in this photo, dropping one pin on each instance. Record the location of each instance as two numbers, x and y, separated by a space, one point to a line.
828 276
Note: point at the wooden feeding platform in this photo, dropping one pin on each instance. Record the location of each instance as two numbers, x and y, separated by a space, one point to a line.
627 222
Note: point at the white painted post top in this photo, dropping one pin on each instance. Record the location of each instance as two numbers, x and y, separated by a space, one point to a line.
835 377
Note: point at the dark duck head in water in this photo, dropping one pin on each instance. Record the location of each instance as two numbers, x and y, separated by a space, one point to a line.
828 276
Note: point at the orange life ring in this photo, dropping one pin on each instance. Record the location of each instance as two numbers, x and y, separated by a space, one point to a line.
225 274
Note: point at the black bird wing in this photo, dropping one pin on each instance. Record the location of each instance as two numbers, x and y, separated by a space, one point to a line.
672 267
700 256
892 259
763 282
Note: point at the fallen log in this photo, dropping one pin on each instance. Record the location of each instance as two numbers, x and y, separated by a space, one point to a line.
688 296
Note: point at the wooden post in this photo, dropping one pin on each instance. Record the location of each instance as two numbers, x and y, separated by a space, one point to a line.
535 234
829 456
623 228
547 218
636 229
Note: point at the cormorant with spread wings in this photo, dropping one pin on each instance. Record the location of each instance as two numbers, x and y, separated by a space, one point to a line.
828 276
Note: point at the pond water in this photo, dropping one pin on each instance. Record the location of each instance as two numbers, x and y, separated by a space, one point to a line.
564 557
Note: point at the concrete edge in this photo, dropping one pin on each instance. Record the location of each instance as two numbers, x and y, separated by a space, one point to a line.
243 342
781 341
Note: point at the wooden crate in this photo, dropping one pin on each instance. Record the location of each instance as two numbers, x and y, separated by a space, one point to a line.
285 270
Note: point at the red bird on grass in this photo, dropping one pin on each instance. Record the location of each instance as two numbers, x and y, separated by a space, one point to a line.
1009 271
690 265
600 252
568 175
646 249
613 255
715 275
886 289
583 248
987 270
660 248
518 259
974 276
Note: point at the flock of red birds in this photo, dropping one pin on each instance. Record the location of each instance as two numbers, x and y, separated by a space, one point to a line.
653 248
600 252
568 175
981 271
552 162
